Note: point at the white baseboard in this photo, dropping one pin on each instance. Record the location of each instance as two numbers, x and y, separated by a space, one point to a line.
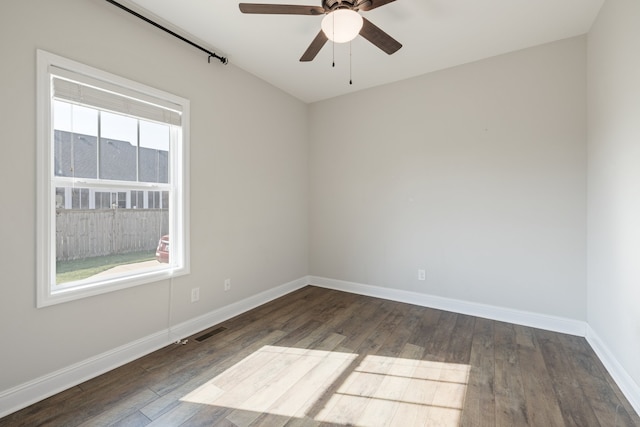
23 395
524 318
19 397
627 385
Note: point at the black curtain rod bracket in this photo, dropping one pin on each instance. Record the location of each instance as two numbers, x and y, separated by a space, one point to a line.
155 24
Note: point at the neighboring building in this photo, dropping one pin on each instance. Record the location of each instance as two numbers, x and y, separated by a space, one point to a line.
81 156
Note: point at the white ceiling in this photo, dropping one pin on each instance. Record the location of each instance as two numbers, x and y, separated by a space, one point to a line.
435 34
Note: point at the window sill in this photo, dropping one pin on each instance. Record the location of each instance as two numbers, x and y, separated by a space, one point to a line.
47 297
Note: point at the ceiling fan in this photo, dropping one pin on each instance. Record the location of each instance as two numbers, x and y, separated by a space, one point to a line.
336 11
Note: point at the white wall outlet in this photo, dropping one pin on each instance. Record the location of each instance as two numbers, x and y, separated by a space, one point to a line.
422 275
195 294
227 284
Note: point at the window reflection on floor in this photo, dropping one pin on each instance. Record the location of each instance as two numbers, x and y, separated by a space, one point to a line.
338 387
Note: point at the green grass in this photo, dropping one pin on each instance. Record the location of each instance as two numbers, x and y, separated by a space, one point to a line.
69 271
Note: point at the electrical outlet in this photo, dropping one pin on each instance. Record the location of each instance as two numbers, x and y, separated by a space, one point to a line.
227 284
422 275
195 294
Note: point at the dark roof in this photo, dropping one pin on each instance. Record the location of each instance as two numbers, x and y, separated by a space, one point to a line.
76 155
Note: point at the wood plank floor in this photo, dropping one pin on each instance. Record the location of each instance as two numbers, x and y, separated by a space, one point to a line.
320 357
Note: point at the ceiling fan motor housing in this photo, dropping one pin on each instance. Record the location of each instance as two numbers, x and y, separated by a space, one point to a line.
331 5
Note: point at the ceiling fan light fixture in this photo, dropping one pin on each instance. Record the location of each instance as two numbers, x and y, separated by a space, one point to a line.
342 25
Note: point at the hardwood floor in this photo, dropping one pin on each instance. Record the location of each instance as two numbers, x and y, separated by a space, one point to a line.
321 357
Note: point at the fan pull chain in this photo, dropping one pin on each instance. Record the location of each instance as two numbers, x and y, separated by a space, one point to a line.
333 44
350 66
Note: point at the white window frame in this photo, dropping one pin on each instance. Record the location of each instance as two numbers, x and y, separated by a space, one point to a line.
48 293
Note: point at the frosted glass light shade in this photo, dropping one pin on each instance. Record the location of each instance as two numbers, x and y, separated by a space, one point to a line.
342 25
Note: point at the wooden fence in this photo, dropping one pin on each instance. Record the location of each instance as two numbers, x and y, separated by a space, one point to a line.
89 233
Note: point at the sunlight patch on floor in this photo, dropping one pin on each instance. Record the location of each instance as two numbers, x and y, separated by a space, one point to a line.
396 391
337 387
279 380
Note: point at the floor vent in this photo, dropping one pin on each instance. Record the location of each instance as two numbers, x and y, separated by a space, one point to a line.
210 334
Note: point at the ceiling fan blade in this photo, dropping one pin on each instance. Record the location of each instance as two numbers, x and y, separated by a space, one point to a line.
314 47
280 9
372 4
378 37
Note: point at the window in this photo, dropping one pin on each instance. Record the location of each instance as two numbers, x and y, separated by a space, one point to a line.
112 181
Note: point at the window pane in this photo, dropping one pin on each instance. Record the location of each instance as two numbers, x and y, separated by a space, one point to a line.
84 198
154 152
103 200
75 118
154 135
118 127
154 165
80 198
75 141
59 198
118 147
165 200
94 244
122 200
75 155
137 199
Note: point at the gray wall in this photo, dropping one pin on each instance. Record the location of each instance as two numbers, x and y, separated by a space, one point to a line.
614 182
476 174
248 184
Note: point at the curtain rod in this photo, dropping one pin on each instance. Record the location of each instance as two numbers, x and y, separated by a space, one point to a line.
155 24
